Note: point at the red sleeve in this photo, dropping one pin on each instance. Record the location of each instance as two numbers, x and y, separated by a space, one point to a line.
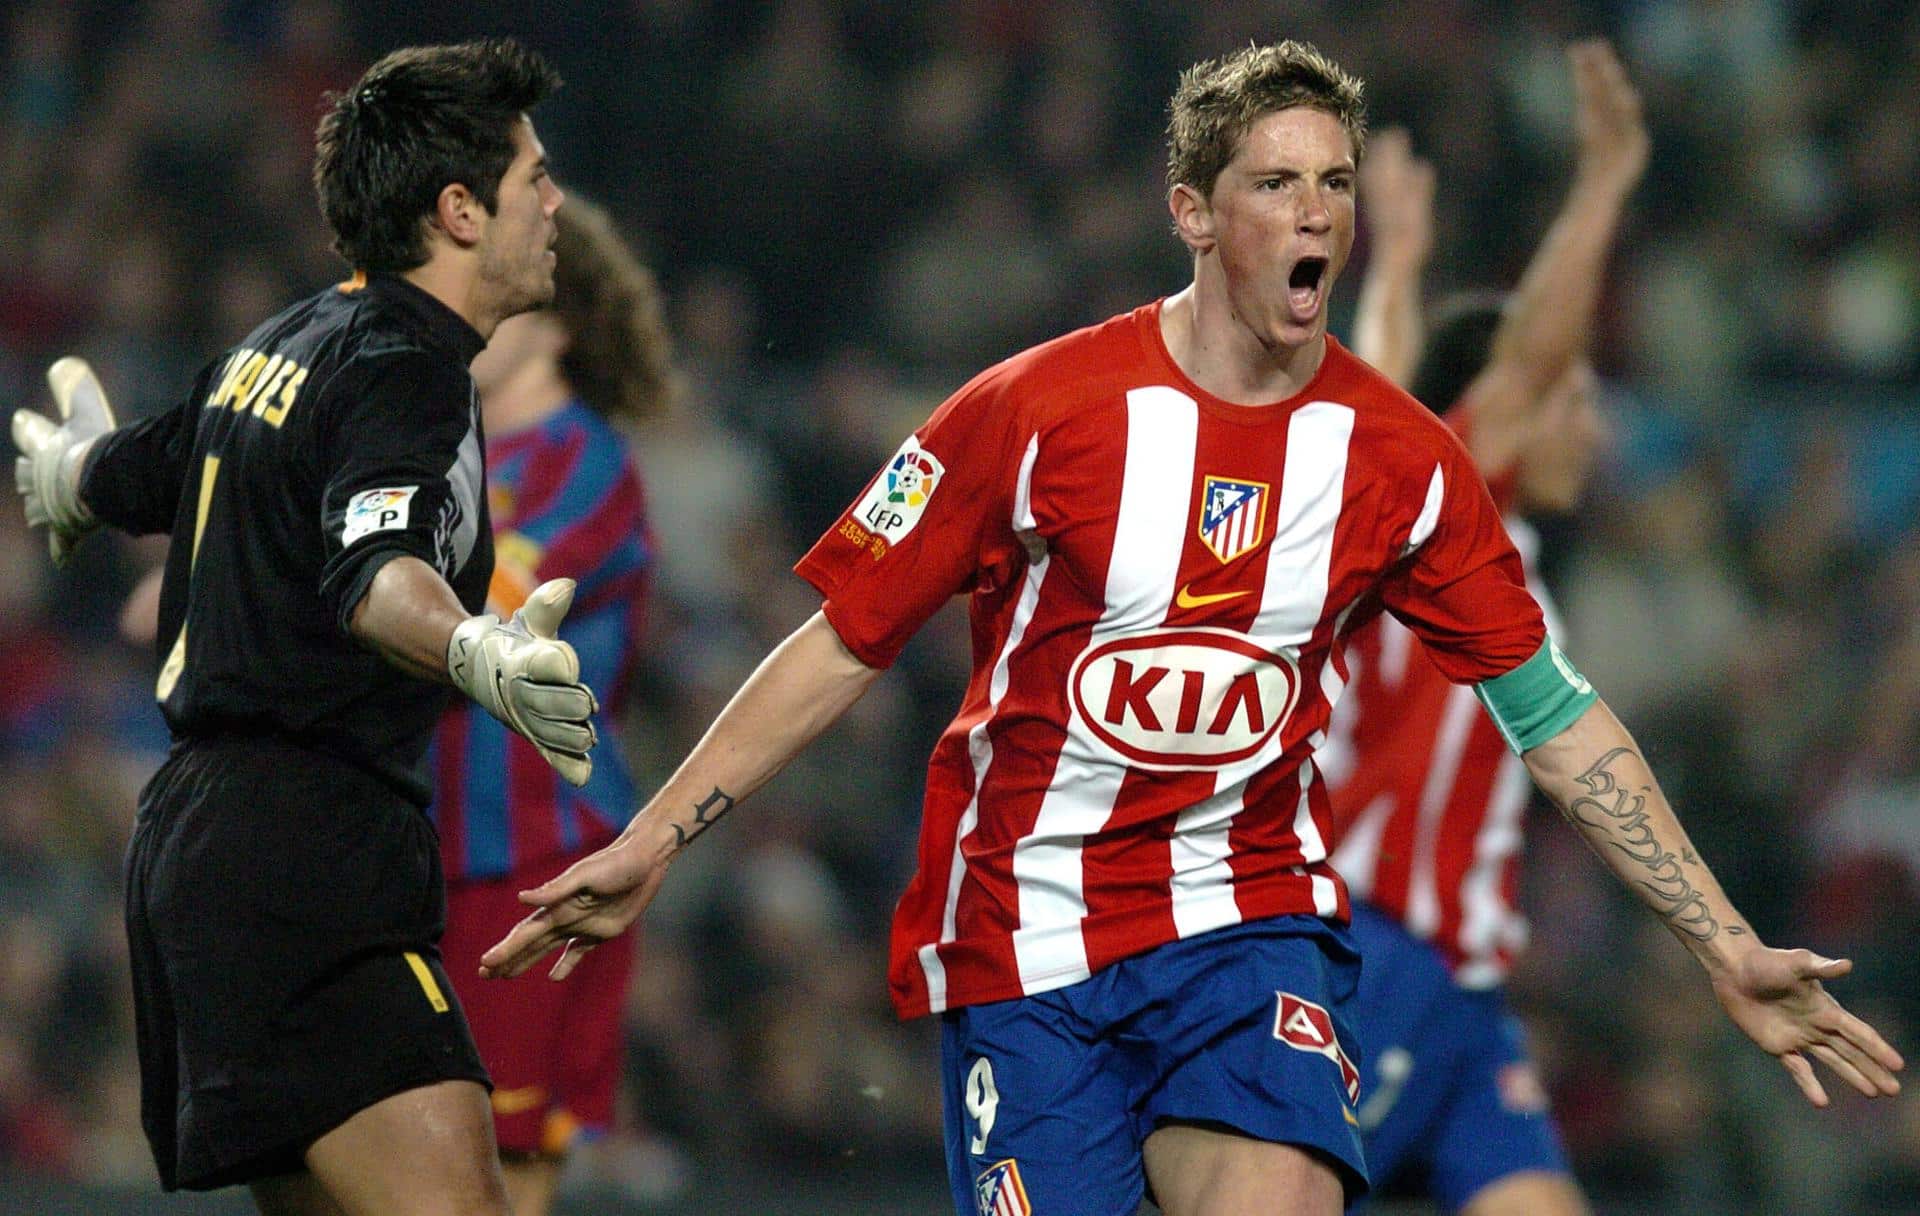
1462 590
937 515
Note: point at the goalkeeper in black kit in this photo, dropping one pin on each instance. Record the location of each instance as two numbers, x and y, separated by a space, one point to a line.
324 489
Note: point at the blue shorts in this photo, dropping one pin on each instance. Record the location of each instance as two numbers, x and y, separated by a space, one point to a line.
1049 1098
1451 1098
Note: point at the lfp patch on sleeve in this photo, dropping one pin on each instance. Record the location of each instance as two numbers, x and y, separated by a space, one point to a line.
372 511
899 495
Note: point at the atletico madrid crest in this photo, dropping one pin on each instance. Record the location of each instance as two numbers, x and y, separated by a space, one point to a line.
1000 1191
1233 515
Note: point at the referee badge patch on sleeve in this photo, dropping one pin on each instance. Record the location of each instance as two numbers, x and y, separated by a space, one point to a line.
372 511
893 505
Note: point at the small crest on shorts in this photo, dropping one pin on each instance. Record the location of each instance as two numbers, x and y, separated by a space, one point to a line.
1000 1191
1233 515
1305 1026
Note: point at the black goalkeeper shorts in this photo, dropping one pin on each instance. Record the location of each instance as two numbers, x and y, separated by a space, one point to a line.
284 910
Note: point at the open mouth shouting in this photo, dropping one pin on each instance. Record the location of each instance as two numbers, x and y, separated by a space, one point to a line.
1306 288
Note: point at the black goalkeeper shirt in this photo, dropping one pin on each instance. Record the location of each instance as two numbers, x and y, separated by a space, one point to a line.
340 434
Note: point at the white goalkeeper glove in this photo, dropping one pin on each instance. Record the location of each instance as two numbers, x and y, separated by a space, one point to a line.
46 471
524 675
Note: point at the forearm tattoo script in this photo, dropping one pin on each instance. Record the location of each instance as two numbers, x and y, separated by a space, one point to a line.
1621 814
705 813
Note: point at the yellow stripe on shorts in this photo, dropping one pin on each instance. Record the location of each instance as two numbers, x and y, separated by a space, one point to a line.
428 985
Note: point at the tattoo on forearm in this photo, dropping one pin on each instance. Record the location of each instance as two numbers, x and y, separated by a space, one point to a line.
1621 814
705 813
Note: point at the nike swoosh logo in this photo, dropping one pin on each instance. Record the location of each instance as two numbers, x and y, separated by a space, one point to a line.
1186 599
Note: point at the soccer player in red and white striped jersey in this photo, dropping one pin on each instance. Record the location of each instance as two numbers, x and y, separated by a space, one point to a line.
1428 796
1123 907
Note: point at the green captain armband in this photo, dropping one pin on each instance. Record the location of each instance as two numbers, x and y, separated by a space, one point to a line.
1536 700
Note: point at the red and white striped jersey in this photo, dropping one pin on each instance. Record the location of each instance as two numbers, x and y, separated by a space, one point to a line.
1157 581
1429 799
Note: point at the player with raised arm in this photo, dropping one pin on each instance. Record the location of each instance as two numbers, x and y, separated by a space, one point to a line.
1389 327
1124 911
324 489
567 503
1427 792
1429 797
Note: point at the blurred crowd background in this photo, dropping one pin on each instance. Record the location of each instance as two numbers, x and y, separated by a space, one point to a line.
851 206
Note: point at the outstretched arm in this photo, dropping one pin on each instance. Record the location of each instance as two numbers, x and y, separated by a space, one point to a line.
798 691
518 670
47 471
1594 772
1396 190
1549 317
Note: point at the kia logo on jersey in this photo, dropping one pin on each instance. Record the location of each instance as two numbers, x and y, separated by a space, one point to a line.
1185 698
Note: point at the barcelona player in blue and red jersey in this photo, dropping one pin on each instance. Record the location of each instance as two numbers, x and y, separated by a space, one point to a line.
566 502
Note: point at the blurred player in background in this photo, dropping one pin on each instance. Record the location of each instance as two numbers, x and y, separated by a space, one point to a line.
566 503
323 488
1429 798
1124 910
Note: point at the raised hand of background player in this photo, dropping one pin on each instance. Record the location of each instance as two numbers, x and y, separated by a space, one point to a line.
524 675
1776 996
593 899
1396 190
47 471
1609 126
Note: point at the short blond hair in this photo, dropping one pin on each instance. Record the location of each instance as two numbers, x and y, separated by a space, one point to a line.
1220 99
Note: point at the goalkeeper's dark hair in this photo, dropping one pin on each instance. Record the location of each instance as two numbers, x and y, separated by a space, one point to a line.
419 120
1459 344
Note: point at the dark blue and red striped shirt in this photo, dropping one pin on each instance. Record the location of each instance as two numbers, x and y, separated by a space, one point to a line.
567 502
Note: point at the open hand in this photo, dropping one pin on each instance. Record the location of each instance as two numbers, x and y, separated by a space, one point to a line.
593 899
1396 188
1608 123
1777 998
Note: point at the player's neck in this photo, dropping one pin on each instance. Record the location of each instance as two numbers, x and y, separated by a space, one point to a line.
1221 355
450 280
533 392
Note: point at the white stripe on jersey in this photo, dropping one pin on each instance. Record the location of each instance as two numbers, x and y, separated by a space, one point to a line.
1292 600
979 746
1423 896
1429 511
1488 924
1326 896
1202 884
1484 916
1163 426
1312 488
